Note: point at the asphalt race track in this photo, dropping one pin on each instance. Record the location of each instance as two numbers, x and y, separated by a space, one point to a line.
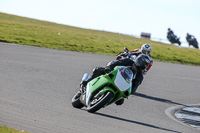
37 84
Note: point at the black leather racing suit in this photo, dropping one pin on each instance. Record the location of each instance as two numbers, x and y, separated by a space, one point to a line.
121 62
188 38
170 34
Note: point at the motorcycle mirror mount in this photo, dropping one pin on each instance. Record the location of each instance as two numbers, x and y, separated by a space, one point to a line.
85 77
126 50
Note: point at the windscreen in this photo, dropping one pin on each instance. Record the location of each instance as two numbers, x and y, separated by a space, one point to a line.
126 73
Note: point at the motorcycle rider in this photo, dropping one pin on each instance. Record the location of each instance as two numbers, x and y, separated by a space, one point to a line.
145 49
170 34
192 40
172 37
138 66
189 38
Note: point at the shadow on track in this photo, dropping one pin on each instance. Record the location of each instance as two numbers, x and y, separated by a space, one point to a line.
135 122
157 99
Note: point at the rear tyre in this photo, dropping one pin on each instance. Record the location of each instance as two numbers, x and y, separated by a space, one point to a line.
97 104
76 103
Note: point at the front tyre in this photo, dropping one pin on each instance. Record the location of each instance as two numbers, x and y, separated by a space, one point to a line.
196 45
97 103
76 103
179 43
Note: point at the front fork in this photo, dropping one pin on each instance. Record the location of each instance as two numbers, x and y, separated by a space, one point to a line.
86 95
106 89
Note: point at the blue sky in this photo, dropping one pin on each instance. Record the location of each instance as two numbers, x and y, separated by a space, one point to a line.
122 16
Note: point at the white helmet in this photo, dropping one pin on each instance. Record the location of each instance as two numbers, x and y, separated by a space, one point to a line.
146 49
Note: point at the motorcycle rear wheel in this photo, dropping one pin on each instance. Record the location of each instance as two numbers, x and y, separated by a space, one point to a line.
76 103
97 104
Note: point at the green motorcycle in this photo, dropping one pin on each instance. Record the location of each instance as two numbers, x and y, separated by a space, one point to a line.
105 89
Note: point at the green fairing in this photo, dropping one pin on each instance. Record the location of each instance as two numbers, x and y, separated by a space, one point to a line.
106 83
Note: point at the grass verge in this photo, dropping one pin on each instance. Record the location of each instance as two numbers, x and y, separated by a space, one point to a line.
4 129
25 31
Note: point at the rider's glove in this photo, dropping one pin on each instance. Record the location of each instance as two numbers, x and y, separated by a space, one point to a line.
145 72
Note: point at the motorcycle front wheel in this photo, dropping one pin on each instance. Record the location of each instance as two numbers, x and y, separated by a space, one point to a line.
76 103
98 103
196 45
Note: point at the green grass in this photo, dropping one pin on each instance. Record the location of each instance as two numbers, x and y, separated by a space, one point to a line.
4 129
25 31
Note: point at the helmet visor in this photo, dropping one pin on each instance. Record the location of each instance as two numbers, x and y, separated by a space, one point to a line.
146 52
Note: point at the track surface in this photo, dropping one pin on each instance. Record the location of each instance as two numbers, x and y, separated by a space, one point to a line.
37 84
